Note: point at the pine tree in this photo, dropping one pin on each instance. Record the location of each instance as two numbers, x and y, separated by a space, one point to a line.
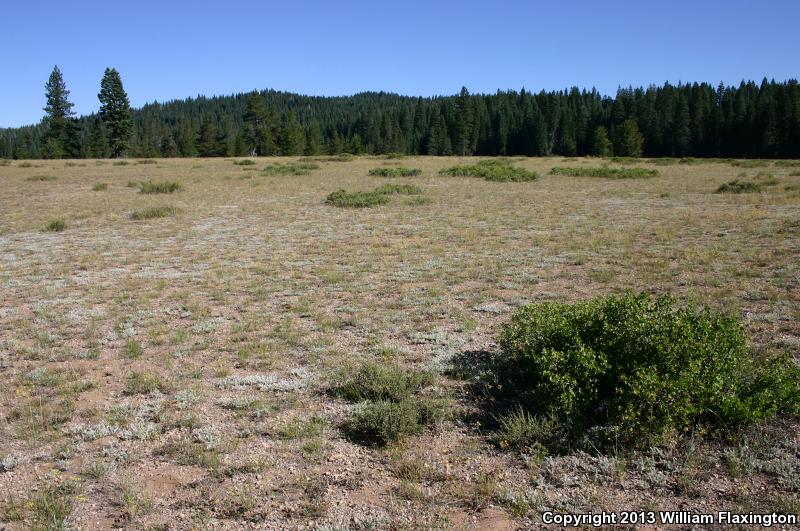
255 125
58 121
601 145
293 138
314 140
629 140
207 139
115 112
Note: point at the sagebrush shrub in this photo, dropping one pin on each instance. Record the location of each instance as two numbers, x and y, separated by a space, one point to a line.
402 189
100 187
153 212
497 170
374 381
291 168
744 187
631 369
345 199
55 225
395 172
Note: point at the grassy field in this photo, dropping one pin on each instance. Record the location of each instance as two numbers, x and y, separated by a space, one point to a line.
172 335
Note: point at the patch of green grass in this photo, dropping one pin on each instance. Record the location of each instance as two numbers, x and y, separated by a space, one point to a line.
303 429
51 505
291 168
121 163
395 172
132 349
163 187
744 187
153 212
344 157
146 161
788 163
245 162
100 187
496 170
610 173
141 383
345 199
55 225
40 178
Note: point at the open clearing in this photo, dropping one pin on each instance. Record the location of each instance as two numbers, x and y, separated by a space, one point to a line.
167 358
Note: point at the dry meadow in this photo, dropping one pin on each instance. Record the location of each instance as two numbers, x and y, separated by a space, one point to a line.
167 359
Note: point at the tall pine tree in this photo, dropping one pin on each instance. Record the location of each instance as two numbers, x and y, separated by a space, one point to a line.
115 111
60 131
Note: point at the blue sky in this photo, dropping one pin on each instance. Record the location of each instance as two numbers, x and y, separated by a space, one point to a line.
174 49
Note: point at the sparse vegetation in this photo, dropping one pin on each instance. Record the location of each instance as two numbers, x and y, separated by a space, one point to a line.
245 162
609 173
162 187
154 212
744 187
401 189
55 225
100 187
41 178
290 168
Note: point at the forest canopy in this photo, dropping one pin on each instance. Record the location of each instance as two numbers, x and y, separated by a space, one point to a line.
698 120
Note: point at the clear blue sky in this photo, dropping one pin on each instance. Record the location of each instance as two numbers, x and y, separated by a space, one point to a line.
174 49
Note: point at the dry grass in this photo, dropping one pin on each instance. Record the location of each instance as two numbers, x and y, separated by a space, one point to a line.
179 369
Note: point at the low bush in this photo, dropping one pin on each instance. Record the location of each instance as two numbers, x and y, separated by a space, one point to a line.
384 421
245 162
100 187
345 199
788 163
395 172
402 189
378 381
121 163
55 225
631 370
497 170
292 168
146 161
163 187
610 173
744 187
343 157
391 403
140 383
41 178
153 212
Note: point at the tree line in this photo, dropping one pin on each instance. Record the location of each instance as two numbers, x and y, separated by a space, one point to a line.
697 119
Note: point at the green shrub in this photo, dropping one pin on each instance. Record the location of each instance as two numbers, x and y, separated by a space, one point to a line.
55 225
632 369
292 168
41 178
497 170
611 173
345 199
744 187
384 421
146 161
402 189
624 160
245 162
395 172
163 187
153 212
121 163
133 349
390 402
788 163
379 381
100 187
